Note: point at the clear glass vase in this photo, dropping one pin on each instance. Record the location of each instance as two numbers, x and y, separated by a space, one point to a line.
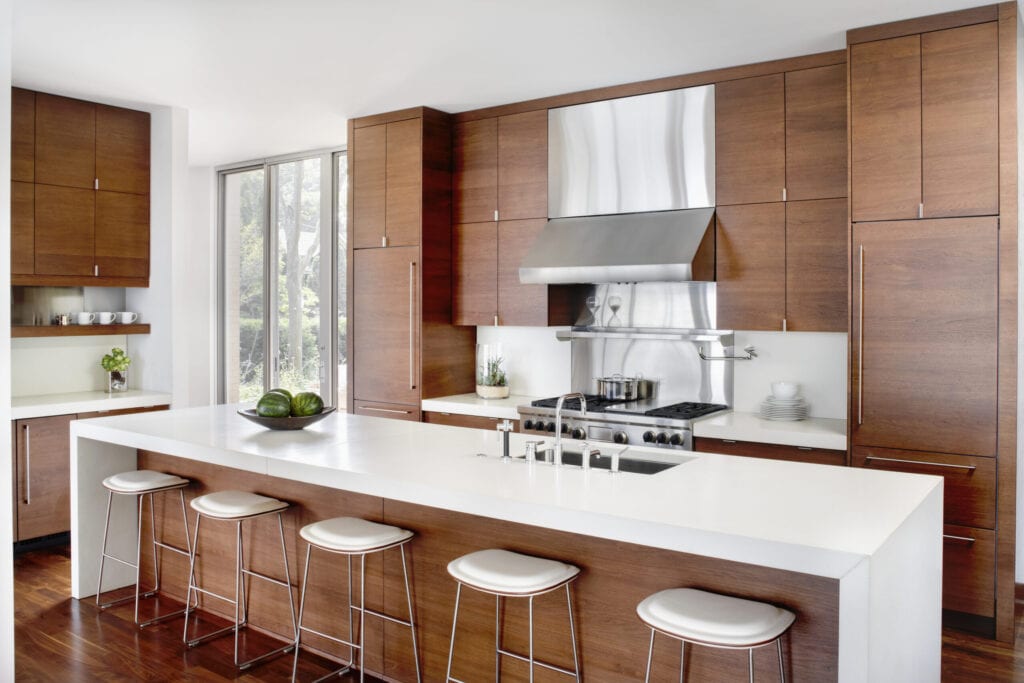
491 372
117 380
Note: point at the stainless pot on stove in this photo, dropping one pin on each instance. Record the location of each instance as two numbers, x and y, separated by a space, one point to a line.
617 387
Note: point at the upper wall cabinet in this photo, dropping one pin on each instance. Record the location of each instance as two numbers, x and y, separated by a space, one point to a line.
925 125
781 137
80 214
501 168
388 197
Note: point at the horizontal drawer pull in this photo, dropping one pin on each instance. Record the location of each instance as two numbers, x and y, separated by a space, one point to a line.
804 448
386 410
970 468
728 441
962 539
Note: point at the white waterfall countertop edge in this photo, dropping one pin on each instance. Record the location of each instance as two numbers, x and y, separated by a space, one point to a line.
815 519
471 404
24 407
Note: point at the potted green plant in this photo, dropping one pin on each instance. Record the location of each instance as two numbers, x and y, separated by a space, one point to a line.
116 364
491 378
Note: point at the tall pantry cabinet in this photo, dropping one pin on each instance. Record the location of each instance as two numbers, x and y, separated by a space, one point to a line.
933 248
403 347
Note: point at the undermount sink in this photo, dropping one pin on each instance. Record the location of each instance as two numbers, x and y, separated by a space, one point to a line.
604 462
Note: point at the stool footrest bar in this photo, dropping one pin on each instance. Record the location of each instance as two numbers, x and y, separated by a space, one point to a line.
537 662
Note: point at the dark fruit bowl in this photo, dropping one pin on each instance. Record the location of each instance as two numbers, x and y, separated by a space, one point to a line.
283 422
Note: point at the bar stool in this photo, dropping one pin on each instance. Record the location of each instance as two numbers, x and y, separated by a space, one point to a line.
237 507
354 537
505 574
142 484
702 618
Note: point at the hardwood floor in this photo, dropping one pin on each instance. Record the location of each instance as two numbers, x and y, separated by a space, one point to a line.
60 639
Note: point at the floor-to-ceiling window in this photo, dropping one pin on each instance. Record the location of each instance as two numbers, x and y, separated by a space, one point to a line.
282 276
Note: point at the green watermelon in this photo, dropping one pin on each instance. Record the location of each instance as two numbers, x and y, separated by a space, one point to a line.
281 391
273 404
306 403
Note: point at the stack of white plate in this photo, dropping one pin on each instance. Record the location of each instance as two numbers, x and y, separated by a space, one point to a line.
784 409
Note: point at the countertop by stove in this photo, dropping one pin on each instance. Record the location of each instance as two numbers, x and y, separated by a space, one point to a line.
24 407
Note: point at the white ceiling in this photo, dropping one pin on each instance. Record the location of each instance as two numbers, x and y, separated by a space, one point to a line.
266 77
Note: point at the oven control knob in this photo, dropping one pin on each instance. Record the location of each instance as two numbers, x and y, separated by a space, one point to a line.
676 440
648 437
528 424
579 433
620 437
550 426
565 428
662 437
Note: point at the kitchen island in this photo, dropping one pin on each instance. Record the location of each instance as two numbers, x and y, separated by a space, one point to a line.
855 553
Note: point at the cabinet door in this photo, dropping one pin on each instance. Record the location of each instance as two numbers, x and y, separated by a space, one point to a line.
753 449
23 229
122 234
471 421
65 151
816 133
520 304
369 151
392 411
523 165
750 260
817 269
23 135
474 273
386 327
475 183
968 570
65 217
925 334
122 149
43 480
750 140
885 111
404 183
960 121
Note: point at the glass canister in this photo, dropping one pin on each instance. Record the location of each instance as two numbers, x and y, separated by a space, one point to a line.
491 372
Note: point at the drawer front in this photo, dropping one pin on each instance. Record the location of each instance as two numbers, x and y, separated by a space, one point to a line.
969 495
473 421
752 449
395 411
969 570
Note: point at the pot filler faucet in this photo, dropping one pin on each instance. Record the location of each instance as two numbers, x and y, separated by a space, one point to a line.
558 421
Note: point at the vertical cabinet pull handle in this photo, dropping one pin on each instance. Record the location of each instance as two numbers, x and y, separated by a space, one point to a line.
412 324
860 342
28 465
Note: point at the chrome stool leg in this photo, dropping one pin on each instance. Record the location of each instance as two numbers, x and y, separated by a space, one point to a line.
412 618
650 654
531 638
497 637
572 635
302 607
682 660
103 549
455 621
782 666
750 659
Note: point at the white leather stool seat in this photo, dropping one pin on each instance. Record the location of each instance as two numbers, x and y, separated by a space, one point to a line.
509 573
141 481
235 504
352 535
712 619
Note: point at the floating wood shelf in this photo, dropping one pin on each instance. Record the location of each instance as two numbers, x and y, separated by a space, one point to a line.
76 330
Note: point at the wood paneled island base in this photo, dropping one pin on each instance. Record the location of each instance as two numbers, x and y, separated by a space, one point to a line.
615 577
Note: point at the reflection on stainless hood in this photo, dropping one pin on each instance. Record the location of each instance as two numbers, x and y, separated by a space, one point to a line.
663 246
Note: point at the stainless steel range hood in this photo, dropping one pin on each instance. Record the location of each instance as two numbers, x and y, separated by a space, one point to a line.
631 191
665 246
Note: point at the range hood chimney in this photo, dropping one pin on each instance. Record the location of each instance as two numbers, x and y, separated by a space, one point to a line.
631 191
663 246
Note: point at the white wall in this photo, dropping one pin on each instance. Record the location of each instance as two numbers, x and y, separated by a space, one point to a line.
57 365
151 354
6 522
816 360
194 293
537 363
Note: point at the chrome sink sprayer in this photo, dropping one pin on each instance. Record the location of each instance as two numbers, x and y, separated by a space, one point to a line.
558 421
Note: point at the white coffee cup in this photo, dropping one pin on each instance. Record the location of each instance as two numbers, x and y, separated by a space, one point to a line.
86 318
105 318
127 317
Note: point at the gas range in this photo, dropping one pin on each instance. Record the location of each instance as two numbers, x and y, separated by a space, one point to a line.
649 423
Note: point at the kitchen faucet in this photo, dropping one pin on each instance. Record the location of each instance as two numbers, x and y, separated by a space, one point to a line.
558 421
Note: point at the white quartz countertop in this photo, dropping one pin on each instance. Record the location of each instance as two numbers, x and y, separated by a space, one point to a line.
23 407
814 432
800 517
471 404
